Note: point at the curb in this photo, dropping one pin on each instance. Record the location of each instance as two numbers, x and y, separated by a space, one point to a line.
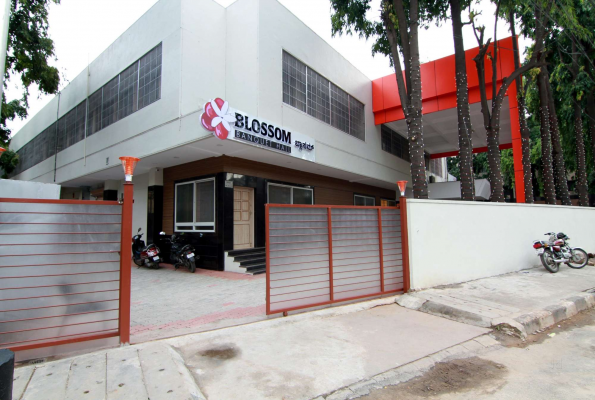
536 321
521 326
479 345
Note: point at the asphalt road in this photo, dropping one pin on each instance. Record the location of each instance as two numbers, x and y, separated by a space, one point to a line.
556 364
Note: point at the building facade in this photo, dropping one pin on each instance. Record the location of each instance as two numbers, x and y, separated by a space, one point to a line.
299 125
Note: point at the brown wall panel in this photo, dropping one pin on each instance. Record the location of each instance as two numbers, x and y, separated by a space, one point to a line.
327 190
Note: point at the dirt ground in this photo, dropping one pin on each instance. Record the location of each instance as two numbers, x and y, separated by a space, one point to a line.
457 377
454 376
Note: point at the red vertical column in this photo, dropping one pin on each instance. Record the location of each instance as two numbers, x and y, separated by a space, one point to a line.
125 267
268 258
380 248
330 253
405 244
517 149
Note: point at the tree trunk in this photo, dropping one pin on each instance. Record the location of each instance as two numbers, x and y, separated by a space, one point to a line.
546 144
582 186
525 132
414 118
464 117
591 118
410 93
559 168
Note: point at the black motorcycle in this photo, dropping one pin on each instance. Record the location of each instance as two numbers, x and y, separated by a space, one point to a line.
144 255
180 253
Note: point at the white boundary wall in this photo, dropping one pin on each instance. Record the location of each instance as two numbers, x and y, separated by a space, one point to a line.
454 241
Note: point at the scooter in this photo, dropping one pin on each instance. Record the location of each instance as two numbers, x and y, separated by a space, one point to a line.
144 255
181 254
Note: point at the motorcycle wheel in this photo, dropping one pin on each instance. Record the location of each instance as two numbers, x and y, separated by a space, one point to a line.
547 259
192 266
578 260
155 266
137 261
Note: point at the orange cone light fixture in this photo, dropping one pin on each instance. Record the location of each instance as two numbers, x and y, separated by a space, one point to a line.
402 187
129 163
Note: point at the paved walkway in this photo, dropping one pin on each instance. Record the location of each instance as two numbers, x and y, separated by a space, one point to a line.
521 296
297 357
168 302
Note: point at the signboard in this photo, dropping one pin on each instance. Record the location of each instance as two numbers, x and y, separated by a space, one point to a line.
230 124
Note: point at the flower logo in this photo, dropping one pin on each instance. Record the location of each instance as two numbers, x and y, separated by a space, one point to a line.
216 118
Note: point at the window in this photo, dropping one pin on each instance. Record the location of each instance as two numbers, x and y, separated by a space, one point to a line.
394 143
308 91
294 82
435 166
128 94
149 78
134 88
94 113
195 206
284 194
388 203
359 200
109 103
318 96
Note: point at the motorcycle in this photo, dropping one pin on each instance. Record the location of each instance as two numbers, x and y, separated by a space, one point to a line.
556 251
181 254
144 255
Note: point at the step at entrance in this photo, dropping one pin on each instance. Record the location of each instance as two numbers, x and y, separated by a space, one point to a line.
252 260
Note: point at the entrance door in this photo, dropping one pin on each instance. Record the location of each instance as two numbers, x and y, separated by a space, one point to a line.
243 218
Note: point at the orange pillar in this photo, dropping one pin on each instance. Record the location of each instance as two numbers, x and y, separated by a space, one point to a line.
517 149
405 244
125 267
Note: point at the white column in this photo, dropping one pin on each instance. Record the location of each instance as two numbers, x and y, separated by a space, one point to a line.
4 38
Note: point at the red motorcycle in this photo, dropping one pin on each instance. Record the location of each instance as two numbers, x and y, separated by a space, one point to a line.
556 251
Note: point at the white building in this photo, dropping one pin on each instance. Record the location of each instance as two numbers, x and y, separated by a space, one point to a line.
144 97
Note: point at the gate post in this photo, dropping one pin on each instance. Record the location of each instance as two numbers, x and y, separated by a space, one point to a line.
404 244
125 267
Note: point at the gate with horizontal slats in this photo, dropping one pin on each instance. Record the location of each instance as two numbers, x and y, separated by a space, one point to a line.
318 255
60 272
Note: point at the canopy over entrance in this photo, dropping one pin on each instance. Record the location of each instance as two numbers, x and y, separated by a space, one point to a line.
440 102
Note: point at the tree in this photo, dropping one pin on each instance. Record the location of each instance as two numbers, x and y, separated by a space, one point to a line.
396 35
28 52
492 118
463 111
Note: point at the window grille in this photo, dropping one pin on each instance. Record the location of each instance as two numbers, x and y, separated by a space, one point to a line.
308 91
294 82
128 94
117 99
94 113
394 143
149 80
318 96
109 103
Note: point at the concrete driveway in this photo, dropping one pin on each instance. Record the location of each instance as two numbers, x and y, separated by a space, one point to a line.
168 302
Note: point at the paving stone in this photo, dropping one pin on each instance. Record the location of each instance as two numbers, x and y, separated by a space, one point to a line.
124 375
20 380
342 394
87 378
472 346
49 381
486 341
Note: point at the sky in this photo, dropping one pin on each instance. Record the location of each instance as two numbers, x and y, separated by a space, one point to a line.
83 29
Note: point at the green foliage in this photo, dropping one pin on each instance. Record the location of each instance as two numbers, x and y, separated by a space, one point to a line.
29 50
8 162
